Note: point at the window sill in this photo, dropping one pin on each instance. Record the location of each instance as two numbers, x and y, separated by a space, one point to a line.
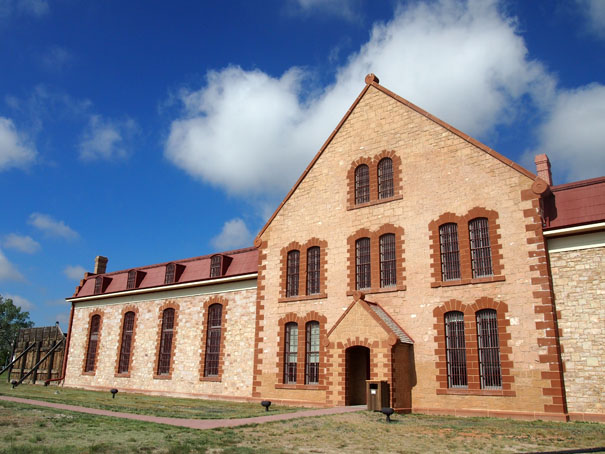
370 291
476 392
211 379
123 375
305 387
319 296
478 280
162 377
374 202
90 373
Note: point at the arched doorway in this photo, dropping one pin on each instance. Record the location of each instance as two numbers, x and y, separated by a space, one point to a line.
357 365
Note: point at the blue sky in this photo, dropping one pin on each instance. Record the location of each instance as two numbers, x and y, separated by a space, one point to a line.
149 131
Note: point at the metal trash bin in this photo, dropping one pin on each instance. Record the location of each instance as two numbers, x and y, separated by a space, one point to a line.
377 394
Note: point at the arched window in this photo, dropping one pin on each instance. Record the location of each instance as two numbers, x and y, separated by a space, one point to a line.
450 254
385 178
362 263
170 270
98 285
213 340
388 273
362 184
132 277
93 342
313 262
126 344
292 273
455 350
481 254
312 353
166 340
215 266
290 352
489 349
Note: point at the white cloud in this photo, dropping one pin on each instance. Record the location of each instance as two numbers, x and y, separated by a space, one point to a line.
234 235
55 58
51 226
250 133
75 272
21 302
21 243
594 12
8 271
37 8
573 135
346 9
106 139
15 150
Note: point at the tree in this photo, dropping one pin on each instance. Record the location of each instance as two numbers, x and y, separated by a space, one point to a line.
11 319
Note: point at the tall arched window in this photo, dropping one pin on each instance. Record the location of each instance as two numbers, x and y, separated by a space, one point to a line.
362 184
215 266
93 343
290 352
170 271
313 262
455 350
481 254
292 273
213 340
388 265
312 353
166 339
132 276
362 263
450 254
385 178
126 343
489 349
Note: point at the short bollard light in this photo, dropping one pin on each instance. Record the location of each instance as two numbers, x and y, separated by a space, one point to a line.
266 404
14 383
388 412
113 392
46 382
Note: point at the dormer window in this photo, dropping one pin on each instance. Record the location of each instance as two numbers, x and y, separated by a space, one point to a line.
98 285
170 271
132 279
216 267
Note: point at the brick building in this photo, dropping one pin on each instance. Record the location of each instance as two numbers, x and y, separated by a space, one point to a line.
407 252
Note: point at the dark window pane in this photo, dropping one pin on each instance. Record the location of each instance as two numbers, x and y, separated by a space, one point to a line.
213 340
313 256
215 266
312 354
388 263
93 340
362 263
489 349
98 285
481 253
455 350
290 352
385 178
132 275
362 184
292 278
166 342
450 255
126 343
170 268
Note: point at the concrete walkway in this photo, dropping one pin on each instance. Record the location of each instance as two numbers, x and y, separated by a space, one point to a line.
191 423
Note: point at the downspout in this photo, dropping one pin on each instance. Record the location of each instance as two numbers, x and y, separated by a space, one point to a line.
66 354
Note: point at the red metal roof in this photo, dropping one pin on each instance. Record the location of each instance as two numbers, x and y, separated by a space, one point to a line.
577 203
243 261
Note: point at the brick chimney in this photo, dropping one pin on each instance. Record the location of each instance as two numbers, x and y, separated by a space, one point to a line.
100 264
543 168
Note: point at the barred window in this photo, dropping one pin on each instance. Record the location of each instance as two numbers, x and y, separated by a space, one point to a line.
290 352
313 262
126 344
213 340
362 184
385 178
450 254
293 264
481 253
166 339
312 354
98 285
489 349
455 350
215 266
170 269
93 342
132 277
388 273
362 263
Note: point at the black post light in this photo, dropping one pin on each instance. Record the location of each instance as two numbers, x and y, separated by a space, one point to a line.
266 404
113 391
14 383
388 412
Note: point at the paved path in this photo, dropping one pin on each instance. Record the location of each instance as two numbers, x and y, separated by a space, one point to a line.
191 423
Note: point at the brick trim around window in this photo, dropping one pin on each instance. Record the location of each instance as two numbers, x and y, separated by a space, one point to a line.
372 163
302 271
375 259
300 358
100 313
167 305
132 342
472 354
223 302
464 247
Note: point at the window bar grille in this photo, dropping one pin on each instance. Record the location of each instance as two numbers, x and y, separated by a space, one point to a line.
481 254
455 350
126 342
169 279
385 178
166 342
291 353
92 343
213 340
388 264
215 266
312 354
362 184
293 270
489 349
313 270
132 274
450 255
362 254
98 285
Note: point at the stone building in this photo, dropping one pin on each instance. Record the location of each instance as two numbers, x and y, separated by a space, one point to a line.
407 252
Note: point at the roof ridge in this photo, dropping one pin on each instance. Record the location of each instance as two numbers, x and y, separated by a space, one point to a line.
578 184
